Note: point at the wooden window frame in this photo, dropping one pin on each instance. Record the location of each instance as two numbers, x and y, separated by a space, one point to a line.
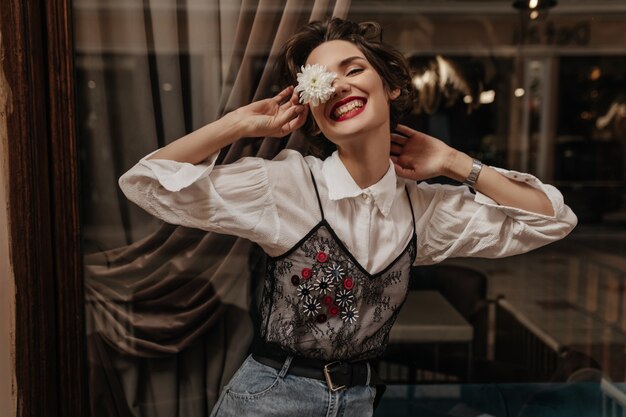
44 226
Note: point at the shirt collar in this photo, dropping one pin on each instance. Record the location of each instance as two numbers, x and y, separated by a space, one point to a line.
341 185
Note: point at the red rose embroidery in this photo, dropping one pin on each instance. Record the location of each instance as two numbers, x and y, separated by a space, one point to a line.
333 310
348 283
328 300
306 273
321 257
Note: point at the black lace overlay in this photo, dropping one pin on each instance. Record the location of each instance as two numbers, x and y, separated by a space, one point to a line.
318 302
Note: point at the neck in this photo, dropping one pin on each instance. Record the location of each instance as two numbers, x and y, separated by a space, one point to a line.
366 159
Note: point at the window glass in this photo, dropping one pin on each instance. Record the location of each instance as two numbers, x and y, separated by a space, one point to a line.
168 307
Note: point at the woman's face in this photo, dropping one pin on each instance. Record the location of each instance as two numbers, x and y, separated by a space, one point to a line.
360 102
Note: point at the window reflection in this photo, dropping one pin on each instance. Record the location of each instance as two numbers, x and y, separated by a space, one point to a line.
548 98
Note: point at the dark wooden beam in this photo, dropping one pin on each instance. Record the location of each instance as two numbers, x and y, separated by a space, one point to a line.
43 208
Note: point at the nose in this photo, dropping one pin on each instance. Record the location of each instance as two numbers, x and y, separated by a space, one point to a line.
341 86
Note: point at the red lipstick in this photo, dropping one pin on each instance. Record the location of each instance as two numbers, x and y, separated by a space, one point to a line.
350 113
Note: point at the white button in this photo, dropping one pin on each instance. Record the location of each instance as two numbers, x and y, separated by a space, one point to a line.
365 196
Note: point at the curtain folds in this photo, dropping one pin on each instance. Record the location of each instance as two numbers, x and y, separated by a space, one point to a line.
167 315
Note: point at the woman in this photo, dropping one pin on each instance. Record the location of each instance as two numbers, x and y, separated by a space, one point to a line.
341 233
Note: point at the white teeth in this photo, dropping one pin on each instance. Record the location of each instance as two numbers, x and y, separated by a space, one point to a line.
354 104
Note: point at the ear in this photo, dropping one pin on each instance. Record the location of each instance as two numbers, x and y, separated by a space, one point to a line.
394 94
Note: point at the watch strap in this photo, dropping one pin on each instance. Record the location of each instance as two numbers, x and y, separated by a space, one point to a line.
471 179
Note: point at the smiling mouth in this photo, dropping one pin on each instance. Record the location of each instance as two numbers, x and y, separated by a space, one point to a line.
348 109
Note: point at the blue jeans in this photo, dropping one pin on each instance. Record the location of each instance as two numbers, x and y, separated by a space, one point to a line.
260 390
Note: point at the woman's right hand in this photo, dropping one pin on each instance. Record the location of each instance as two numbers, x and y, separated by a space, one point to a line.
277 116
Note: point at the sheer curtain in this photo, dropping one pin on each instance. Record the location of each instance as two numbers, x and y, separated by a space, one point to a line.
167 307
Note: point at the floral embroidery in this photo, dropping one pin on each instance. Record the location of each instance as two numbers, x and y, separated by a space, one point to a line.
295 280
304 290
336 311
324 285
306 273
311 306
319 294
348 283
335 272
321 257
344 298
349 315
315 84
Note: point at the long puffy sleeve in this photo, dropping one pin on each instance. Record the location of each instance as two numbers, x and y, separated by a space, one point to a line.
453 222
232 199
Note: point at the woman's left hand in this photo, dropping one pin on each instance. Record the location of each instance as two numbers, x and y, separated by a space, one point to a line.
418 156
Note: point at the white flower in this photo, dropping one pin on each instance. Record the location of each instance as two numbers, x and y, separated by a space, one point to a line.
315 84
335 272
304 290
324 285
344 298
350 314
311 306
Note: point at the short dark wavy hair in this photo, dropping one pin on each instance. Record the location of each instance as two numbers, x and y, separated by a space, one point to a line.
388 62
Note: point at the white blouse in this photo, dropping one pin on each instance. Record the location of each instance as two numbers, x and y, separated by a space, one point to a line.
273 203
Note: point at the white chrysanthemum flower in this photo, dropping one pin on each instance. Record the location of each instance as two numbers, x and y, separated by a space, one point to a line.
315 84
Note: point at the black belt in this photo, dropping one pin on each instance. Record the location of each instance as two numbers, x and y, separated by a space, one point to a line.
337 374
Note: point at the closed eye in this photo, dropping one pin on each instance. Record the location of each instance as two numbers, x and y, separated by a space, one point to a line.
354 71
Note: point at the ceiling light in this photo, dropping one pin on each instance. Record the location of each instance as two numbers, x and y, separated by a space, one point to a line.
534 10
596 73
487 97
525 5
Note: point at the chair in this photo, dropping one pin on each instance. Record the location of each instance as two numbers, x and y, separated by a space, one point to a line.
465 289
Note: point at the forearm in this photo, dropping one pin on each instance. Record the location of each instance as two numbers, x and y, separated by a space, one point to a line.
499 188
276 117
202 143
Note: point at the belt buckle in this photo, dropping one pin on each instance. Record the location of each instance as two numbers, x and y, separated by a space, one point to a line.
329 380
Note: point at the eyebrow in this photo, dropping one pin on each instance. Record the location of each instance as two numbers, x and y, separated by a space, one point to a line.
348 60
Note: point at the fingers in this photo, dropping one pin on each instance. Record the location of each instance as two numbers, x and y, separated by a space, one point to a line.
295 123
400 171
291 119
294 100
413 134
284 95
287 115
396 149
397 144
399 139
405 130
300 119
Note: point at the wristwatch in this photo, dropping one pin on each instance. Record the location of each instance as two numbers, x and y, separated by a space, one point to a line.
471 179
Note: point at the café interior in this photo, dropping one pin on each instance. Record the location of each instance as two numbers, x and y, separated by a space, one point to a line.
534 86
